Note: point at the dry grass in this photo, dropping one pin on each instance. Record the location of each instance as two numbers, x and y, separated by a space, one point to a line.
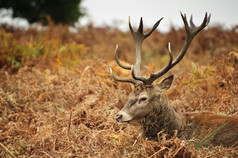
49 108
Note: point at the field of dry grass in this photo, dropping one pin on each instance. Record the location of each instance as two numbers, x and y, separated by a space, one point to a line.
58 99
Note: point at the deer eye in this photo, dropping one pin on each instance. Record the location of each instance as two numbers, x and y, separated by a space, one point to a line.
142 99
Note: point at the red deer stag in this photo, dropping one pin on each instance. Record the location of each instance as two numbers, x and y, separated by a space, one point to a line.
148 106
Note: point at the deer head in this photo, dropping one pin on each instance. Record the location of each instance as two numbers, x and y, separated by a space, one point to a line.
146 97
141 101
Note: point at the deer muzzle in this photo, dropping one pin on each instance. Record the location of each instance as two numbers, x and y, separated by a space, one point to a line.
123 118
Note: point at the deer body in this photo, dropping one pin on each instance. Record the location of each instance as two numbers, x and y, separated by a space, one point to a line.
156 114
218 129
148 106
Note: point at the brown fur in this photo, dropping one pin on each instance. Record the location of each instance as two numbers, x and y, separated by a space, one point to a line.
155 113
200 125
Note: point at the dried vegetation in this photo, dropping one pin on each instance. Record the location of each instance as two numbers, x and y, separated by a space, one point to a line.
57 98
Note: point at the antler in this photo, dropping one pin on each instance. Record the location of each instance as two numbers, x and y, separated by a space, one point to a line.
138 37
191 31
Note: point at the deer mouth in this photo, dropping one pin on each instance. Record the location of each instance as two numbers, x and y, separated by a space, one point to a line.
123 118
119 119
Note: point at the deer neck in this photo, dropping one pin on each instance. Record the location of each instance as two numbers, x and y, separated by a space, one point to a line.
163 117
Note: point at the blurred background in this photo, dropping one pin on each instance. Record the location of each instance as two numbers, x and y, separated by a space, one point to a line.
93 28
115 13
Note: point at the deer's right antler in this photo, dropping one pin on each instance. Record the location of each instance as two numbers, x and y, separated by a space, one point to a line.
139 37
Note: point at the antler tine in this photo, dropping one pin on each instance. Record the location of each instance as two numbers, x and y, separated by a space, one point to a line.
156 75
140 29
153 28
191 31
118 61
140 78
130 80
191 22
167 67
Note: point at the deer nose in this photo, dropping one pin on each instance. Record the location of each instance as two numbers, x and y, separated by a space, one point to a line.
118 117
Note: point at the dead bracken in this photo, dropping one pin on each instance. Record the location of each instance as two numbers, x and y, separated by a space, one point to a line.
62 101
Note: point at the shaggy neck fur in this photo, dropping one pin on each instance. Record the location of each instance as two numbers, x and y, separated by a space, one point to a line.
161 118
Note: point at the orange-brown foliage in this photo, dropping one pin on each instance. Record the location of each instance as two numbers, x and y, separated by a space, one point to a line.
53 107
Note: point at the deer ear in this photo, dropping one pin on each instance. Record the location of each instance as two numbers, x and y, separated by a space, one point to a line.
166 83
